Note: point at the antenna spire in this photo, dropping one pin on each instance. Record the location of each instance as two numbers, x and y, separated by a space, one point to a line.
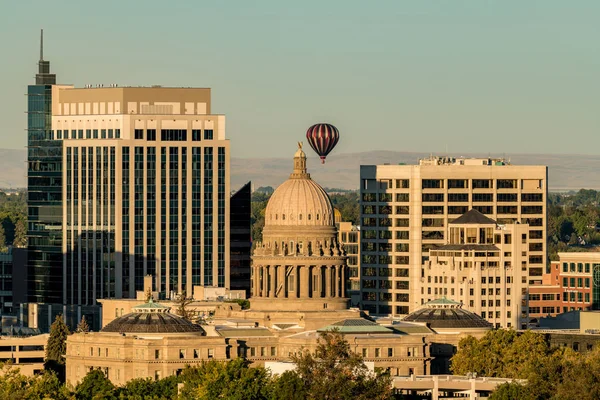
42 45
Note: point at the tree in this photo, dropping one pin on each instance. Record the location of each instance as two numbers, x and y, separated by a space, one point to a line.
46 386
95 385
501 353
83 326
334 372
57 342
3 247
182 302
288 386
143 389
233 380
511 391
56 348
20 234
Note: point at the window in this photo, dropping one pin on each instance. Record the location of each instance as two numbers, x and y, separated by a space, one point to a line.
532 209
458 184
506 183
433 197
402 184
88 133
457 209
80 133
507 197
483 197
208 134
365 352
211 353
181 354
173 135
196 353
531 197
138 133
151 134
402 209
482 184
432 183
95 133
196 135
390 352
110 134
103 133
458 197
506 209
377 352
117 133
156 354
402 197
433 209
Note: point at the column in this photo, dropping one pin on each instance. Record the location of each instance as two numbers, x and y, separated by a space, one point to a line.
273 283
336 283
319 284
253 281
343 280
264 281
304 286
296 281
281 281
328 280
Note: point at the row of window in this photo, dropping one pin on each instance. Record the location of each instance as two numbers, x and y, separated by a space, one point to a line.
461 183
578 267
89 134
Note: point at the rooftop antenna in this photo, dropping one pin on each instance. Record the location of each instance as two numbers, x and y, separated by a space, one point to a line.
42 45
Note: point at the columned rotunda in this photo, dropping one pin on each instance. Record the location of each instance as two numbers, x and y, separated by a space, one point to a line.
299 265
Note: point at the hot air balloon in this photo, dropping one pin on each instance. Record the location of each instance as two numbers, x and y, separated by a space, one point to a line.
322 138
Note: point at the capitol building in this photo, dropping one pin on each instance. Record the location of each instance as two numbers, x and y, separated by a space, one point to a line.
298 284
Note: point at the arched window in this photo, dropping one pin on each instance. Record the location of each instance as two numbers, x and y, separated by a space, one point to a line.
300 217
309 217
283 217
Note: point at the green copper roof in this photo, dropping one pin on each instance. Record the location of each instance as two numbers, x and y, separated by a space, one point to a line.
150 305
443 301
357 325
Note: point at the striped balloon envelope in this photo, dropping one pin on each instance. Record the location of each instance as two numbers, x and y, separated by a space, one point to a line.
322 138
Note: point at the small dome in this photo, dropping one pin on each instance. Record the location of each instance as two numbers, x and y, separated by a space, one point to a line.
299 201
447 314
151 318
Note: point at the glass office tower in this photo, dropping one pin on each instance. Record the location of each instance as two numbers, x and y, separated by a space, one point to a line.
44 183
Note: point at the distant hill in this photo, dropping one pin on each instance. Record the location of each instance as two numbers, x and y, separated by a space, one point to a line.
566 171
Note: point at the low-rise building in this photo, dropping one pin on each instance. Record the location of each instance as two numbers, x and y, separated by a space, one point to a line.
573 284
25 353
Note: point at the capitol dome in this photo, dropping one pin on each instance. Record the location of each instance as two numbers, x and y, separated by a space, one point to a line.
299 201
152 317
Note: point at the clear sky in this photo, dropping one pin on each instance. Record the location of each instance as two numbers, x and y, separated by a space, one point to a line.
468 76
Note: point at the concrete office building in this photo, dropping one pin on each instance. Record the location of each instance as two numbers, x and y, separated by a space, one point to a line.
146 191
139 186
405 211
349 237
483 266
